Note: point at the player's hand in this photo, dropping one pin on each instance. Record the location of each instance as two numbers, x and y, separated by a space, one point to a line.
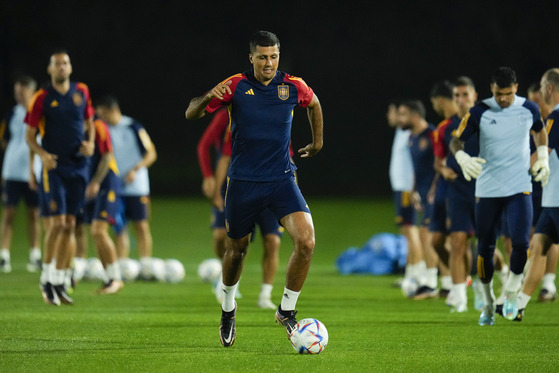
218 201
208 187
49 161
416 201
87 148
448 174
309 150
471 166
540 169
219 90
33 185
92 190
130 176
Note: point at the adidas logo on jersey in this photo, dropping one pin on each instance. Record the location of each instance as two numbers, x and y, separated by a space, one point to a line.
493 121
249 92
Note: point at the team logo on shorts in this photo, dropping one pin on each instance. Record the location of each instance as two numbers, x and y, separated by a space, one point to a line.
53 205
111 197
283 92
77 98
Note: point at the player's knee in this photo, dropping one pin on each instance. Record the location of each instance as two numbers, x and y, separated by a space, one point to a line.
305 245
98 230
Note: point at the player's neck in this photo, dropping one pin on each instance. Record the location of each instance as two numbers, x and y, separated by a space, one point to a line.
61 87
419 127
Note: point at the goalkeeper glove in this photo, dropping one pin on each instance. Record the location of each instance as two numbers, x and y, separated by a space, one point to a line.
471 166
540 169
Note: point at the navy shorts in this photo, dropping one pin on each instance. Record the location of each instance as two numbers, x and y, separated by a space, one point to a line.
269 224
461 210
245 200
14 191
135 208
438 221
548 223
404 211
217 219
105 206
64 191
536 202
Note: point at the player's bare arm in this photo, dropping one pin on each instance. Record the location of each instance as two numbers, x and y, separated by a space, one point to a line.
33 185
149 158
197 106
446 172
314 113
48 159
455 145
220 176
540 138
88 146
102 169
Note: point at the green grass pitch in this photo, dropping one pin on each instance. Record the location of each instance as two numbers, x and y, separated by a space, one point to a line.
156 327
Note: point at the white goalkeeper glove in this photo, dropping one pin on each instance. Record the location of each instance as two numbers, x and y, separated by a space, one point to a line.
471 166
540 169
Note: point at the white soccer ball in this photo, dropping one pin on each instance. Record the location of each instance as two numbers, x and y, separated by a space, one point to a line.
80 264
409 287
310 337
129 269
158 269
94 270
174 271
209 270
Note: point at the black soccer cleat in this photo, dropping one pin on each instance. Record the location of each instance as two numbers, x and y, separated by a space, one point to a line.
227 327
62 295
287 319
49 295
519 317
547 296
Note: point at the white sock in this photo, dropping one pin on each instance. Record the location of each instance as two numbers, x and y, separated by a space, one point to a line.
35 254
113 271
431 277
266 291
45 273
460 295
514 282
488 295
5 254
446 282
523 300
228 303
289 299
549 282
59 275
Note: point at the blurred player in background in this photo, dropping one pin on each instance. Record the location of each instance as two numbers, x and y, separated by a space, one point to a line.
15 178
261 175
134 153
443 105
218 133
64 115
502 122
411 114
402 181
546 234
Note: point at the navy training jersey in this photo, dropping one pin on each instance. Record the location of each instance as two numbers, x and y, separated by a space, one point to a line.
60 120
261 117
421 148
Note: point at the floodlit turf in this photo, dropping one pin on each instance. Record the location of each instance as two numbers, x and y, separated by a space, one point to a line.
155 327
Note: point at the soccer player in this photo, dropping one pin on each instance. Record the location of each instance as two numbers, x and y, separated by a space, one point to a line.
261 103
102 206
64 115
546 233
411 115
502 122
443 104
402 180
15 178
214 187
134 153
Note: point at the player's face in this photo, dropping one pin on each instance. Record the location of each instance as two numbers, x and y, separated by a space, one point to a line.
504 96
546 90
60 67
392 115
465 98
436 103
22 94
105 114
404 117
265 61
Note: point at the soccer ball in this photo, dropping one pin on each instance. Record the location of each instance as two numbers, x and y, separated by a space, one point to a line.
409 287
174 271
80 264
157 269
129 269
310 337
94 270
209 270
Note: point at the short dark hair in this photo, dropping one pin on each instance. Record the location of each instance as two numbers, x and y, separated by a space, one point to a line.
263 39
534 87
504 77
26 81
442 88
552 76
415 106
107 101
464 81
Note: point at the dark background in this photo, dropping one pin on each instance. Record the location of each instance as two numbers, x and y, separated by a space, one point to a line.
357 56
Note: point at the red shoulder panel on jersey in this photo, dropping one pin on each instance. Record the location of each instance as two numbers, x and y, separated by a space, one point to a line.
226 98
305 92
35 109
89 111
102 137
438 139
